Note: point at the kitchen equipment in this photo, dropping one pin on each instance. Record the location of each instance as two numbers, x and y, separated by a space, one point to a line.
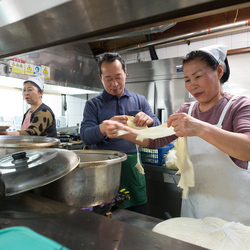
70 141
94 181
3 128
29 169
106 209
11 143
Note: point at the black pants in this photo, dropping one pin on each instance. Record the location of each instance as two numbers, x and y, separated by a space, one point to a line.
142 209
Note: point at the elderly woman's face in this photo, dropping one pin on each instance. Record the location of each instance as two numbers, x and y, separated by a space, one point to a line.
202 81
31 93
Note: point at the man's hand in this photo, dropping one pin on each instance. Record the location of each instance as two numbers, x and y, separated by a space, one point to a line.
120 118
142 120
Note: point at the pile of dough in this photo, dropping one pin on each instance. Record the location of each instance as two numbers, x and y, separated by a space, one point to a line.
209 232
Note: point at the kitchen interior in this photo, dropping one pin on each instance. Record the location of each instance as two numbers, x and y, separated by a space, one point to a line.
61 40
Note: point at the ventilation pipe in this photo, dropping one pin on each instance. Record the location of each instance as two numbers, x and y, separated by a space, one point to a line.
186 36
152 51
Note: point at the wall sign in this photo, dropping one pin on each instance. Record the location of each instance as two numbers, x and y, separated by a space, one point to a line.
17 65
37 70
45 71
29 69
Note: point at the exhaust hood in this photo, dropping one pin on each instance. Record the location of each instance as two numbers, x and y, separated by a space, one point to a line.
56 33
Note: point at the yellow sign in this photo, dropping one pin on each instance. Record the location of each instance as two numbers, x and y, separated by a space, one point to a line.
45 71
17 67
29 69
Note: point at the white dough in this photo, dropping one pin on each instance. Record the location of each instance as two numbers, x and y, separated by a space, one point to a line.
210 232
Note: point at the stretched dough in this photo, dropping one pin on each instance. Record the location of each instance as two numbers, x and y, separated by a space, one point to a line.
183 163
209 232
185 166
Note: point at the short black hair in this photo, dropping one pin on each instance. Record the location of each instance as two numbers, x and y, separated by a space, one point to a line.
109 57
209 60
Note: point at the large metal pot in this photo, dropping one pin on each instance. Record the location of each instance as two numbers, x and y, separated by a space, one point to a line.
93 182
10 143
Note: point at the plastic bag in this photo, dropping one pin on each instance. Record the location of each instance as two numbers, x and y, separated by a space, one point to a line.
171 159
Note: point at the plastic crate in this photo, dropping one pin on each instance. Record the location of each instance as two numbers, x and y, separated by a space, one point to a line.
155 156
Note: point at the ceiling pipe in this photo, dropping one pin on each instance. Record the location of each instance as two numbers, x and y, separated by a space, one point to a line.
186 36
152 50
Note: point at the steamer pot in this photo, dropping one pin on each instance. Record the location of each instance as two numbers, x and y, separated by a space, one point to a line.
93 182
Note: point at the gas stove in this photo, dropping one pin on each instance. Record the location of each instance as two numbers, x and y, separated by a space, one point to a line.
106 209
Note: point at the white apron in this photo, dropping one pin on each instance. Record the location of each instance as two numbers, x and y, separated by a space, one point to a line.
222 189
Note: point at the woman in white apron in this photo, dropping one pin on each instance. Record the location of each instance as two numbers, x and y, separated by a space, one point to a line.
218 130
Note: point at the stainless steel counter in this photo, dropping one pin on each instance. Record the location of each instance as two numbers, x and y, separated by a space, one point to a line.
78 229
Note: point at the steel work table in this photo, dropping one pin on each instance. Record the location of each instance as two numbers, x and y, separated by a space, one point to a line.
78 229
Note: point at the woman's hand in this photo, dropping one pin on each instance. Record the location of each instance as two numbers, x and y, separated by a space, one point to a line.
110 128
185 125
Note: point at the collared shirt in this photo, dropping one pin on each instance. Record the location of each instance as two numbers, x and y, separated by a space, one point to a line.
104 107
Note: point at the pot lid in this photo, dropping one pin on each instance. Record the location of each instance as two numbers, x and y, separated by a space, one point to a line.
26 170
27 141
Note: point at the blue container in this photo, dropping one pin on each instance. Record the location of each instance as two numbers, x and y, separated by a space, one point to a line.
162 152
13 238
155 156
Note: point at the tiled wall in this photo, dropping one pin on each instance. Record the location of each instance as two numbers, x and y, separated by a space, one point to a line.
234 41
75 105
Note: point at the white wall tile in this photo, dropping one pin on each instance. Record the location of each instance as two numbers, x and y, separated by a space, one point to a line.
194 45
131 57
182 50
147 56
248 45
239 40
171 52
208 42
225 40
161 52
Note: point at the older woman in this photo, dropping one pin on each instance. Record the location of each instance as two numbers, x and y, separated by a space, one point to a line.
217 126
39 120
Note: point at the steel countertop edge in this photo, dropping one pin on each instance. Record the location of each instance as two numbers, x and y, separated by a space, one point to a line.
78 229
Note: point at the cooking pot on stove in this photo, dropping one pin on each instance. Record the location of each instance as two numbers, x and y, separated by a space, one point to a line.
11 143
93 182
26 170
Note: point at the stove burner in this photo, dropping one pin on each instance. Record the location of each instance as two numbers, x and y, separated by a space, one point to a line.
106 208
